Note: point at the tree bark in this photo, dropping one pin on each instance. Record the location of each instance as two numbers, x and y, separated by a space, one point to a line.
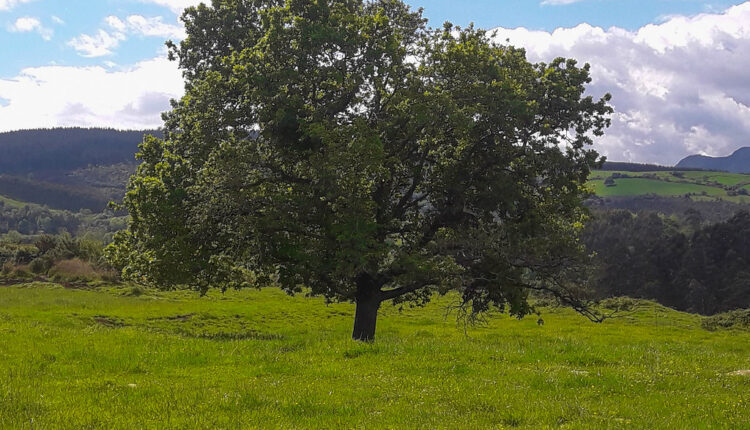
366 315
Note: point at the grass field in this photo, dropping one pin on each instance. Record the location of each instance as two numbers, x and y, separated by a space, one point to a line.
700 185
259 359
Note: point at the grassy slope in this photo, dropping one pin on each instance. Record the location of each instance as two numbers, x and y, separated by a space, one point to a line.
703 185
12 203
98 359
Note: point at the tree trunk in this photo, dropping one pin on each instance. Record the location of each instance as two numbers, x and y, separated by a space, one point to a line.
366 316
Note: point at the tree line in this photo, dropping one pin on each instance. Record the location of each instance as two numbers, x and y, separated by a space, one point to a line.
58 149
681 261
30 220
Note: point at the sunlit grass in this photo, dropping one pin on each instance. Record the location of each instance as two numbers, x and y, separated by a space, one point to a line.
108 359
701 185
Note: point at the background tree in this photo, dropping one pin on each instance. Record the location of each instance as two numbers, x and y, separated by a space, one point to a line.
344 147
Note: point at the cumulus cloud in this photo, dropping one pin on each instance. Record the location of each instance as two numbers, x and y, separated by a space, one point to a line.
10 4
679 87
98 45
116 23
28 24
54 96
105 41
176 6
149 27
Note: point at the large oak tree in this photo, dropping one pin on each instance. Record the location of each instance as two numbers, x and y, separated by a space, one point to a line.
345 149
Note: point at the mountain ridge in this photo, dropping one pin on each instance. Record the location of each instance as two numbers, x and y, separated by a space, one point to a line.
737 162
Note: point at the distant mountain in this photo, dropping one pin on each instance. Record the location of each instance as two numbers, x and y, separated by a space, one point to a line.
738 162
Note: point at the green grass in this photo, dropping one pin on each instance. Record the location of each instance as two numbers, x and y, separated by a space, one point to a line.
107 359
638 186
701 185
14 203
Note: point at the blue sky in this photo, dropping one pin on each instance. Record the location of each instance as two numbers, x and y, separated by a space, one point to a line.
676 68
536 15
25 49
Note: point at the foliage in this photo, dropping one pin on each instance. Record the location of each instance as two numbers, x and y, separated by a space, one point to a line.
680 262
702 211
59 196
100 359
59 256
345 147
19 221
739 319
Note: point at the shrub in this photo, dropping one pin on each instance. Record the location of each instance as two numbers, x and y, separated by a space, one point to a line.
620 304
45 242
739 319
90 250
21 272
40 265
73 269
7 268
25 254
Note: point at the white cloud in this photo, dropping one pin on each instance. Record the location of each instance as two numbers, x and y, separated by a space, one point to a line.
10 4
176 6
116 23
27 24
105 41
57 20
679 87
98 45
53 96
151 27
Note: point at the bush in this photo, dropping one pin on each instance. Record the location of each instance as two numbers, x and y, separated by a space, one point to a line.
110 275
40 265
739 319
620 304
73 269
7 268
25 254
21 272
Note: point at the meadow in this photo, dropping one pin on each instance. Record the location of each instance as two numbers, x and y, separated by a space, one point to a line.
699 185
124 357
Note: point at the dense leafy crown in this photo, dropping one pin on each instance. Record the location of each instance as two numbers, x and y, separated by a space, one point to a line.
343 144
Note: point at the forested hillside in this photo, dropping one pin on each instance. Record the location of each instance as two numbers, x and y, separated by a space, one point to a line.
66 149
68 168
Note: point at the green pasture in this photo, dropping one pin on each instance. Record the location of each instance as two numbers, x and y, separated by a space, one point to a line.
700 185
117 358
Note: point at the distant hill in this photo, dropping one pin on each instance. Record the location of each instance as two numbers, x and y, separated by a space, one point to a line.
65 149
623 166
68 168
738 162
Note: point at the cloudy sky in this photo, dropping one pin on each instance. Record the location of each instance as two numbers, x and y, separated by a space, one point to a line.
677 69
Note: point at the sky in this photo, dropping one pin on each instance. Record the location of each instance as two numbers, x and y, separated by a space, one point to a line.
677 69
